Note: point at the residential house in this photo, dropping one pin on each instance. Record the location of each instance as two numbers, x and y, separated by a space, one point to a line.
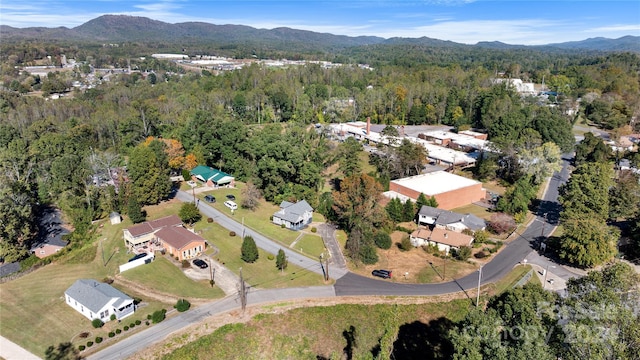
212 177
48 246
444 239
449 220
143 233
96 300
293 216
181 242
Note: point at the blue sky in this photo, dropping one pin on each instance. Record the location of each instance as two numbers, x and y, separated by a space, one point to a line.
463 21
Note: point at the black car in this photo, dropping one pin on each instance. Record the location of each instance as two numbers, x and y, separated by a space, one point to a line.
201 264
385 274
210 198
231 197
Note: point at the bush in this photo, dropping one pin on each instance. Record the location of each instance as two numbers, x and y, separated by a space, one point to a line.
81 347
138 322
209 220
97 323
480 237
112 317
501 223
463 254
132 325
107 280
314 230
149 317
186 264
232 233
111 334
480 255
382 240
158 316
405 244
431 249
118 331
84 335
98 340
283 226
270 257
146 322
404 229
182 305
368 255
89 343
126 328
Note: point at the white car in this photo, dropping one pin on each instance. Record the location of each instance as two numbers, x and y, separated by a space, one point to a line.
231 205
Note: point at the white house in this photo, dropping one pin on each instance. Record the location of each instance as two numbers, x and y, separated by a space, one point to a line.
96 300
449 220
444 239
293 216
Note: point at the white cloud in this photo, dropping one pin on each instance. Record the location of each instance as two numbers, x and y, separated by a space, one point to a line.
615 28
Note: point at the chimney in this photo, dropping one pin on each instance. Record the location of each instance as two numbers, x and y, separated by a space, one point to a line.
445 235
368 125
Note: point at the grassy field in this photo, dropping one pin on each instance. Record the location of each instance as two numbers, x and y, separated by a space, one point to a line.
476 210
452 269
510 280
310 245
262 273
164 276
322 332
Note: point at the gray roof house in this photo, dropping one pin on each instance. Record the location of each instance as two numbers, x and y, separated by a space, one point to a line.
96 300
449 220
293 216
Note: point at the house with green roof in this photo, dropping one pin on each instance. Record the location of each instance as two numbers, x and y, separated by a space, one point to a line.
212 177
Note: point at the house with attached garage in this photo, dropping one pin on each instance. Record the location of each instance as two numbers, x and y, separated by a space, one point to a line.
293 216
180 242
144 233
96 300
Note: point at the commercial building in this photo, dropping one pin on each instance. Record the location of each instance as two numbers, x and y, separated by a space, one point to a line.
450 190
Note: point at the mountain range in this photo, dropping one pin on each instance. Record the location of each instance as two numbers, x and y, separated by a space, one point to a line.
124 28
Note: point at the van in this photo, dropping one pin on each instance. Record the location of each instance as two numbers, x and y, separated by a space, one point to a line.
231 205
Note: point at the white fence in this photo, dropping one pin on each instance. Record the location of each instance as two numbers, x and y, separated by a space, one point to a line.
135 263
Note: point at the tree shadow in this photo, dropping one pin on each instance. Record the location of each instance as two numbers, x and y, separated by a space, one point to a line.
424 341
350 336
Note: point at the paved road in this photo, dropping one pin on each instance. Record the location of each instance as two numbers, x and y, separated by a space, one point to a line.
347 283
513 254
262 241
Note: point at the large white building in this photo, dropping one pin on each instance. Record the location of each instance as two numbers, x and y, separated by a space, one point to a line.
449 190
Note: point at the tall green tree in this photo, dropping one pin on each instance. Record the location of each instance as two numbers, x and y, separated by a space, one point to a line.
281 260
408 211
624 196
134 210
249 250
189 213
587 241
591 149
586 194
541 162
394 209
149 179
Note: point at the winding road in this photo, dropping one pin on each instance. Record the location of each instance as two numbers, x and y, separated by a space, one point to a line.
347 283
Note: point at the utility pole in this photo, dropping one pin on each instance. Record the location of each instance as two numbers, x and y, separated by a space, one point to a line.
326 265
243 227
213 273
243 292
444 267
479 277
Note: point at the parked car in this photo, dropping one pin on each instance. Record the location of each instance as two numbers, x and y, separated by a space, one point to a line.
210 198
138 256
385 274
231 205
230 197
200 263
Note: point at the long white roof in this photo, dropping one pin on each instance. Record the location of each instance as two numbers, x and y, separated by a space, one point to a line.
435 183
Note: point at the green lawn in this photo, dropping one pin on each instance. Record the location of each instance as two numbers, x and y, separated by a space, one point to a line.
262 273
453 269
476 210
164 276
310 245
511 279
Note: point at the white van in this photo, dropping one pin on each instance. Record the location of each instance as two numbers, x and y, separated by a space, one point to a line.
231 205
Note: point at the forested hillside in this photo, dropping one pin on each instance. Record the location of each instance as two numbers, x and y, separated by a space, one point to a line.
253 122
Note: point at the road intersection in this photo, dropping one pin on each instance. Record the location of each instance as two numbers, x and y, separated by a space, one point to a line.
350 284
